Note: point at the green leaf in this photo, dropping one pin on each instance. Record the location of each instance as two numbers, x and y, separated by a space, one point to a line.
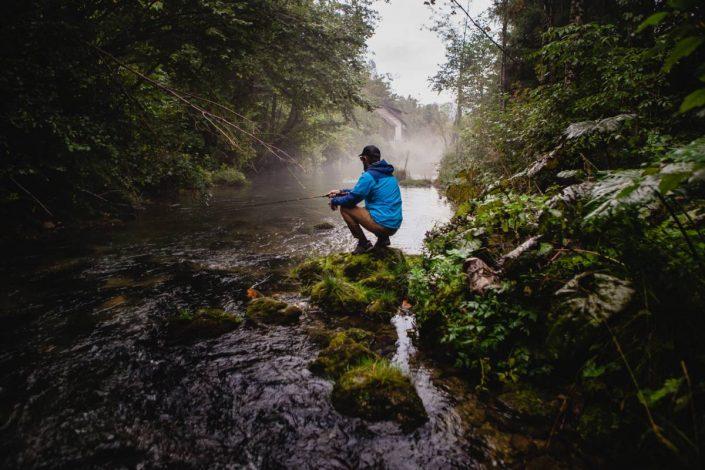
683 48
694 100
671 181
681 4
652 20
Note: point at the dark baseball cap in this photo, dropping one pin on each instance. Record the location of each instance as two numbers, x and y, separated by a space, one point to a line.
371 151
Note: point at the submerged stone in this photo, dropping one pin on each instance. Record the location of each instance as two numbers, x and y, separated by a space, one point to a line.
324 226
378 391
345 350
202 324
273 311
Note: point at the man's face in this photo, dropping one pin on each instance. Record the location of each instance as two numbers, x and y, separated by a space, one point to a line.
365 162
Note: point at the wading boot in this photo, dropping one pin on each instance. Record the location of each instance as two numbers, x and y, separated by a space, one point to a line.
363 246
382 242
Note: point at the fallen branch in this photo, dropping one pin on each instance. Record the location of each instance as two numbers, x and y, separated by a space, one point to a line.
46 209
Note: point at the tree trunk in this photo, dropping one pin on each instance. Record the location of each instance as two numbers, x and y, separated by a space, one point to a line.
504 73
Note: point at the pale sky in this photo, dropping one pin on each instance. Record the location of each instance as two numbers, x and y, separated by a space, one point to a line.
404 47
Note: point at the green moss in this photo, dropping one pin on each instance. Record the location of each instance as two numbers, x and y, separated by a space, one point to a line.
357 267
308 273
227 176
416 183
345 350
528 403
273 311
383 308
380 281
335 295
377 391
201 324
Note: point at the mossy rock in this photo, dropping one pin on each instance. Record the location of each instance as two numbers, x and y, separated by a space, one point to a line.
338 296
529 404
381 281
381 309
324 226
377 391
202 323
345 350
357 267
272 311
308 273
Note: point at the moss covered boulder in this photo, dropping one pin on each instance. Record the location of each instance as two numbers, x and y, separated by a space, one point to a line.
382 308
273 312
202 323
338 296
343 283
377 391
345 350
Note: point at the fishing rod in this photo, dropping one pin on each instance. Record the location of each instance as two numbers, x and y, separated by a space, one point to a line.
283 201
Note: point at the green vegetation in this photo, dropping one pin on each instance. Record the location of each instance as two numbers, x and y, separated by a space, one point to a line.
416 183
345 350
201 323
104 104
575 265
372 284
272 311
228 176
376 390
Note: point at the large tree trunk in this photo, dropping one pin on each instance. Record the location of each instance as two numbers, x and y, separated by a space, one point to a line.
504 73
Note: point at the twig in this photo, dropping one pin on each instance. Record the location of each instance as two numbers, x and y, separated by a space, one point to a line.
479 26
181 96
692 408
32 196
654 427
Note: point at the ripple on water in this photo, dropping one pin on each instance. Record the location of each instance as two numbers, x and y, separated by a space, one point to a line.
88 377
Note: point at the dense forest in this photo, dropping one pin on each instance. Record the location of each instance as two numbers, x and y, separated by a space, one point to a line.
105 103
578 169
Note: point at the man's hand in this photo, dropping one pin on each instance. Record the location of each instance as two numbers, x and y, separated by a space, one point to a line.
334 193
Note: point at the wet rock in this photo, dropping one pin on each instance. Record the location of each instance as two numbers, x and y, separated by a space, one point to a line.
272 311
378 391
338 296
345 350
319 335
481 276
528 404
324 226
201 324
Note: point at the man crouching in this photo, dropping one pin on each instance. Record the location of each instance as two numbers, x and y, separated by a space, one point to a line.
379 189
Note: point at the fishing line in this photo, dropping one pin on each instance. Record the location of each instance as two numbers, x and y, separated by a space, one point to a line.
246 204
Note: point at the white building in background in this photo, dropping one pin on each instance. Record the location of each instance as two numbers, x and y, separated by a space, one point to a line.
392 116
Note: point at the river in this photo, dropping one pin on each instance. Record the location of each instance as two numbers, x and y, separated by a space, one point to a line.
89 378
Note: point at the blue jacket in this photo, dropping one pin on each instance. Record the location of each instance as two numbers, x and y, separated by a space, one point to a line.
379 189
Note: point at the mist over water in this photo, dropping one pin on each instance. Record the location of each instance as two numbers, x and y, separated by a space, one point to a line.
90 377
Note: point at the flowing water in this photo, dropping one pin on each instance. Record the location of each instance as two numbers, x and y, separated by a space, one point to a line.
88 377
